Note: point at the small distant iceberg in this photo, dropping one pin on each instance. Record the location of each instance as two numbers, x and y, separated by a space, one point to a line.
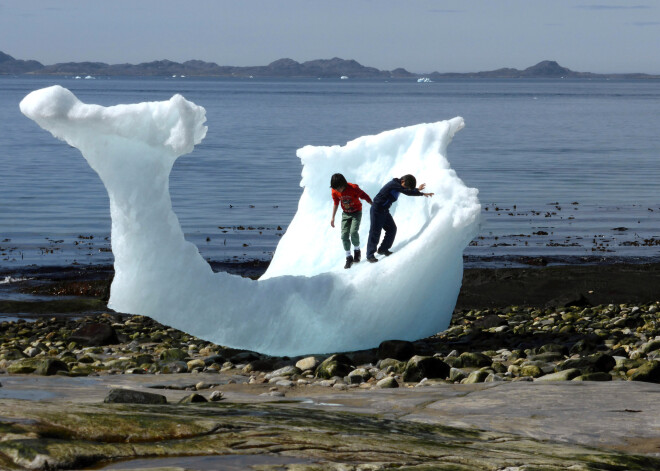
173 76
424 80
89 77
344 77
78 77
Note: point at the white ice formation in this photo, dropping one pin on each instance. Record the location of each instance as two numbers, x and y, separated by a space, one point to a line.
306 302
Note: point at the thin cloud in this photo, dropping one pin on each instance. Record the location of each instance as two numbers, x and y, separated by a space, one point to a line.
613 7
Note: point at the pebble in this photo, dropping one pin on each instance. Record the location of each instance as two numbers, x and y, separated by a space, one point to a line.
606 342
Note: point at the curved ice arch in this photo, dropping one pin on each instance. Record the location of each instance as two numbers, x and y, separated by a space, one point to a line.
306 302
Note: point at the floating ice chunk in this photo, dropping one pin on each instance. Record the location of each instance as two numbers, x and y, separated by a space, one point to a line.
306 302
424 80
344 77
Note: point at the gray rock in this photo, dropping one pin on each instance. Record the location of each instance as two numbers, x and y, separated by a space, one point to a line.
396 365
590 364
334 365
564 375
174 354
95 334
456 374
359 375
597 376
475 360
493 378
50 366
419 367
174 367
285 383
397 349
477 376
216 396
308 363
648 372
389 382
129 396
284 372
193 398
651 346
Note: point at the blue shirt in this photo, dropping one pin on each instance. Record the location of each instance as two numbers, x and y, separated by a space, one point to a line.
391 191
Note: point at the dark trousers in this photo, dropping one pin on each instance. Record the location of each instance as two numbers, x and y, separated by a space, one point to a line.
380 219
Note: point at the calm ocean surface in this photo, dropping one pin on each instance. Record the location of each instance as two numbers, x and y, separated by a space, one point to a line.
566 169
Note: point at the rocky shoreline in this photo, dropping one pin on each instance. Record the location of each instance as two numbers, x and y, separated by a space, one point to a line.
562 337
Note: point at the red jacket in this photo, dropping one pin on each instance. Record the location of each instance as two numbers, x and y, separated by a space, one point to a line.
350 198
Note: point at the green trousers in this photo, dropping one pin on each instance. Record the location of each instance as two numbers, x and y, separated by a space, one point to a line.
350 224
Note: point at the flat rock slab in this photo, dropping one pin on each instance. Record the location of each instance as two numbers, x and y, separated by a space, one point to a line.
481 426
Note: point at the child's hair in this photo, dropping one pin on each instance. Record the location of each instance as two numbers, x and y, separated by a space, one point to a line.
337 181
410 181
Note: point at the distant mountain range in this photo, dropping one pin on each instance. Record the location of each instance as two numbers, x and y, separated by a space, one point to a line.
323 68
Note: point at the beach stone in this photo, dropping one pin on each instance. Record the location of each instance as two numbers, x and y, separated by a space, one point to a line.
95 334
216 396
358 375
553 347
25 366
209 360
651 346
31 352
475 360
135 371
12 354
173 354
197 363
531 370
454 362
129 396
597 376
284 372
590 364
262 364
564 375
419 367
489 321
648 372
143 359
477 376
456 374
308 363
396 365
50 366
388 382
193 398
546 357
334 365
493 378
397 349
174 367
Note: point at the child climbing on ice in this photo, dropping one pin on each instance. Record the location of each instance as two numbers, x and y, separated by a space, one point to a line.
349 195
381 217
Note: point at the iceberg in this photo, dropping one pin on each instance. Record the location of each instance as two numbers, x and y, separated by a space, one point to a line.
305 302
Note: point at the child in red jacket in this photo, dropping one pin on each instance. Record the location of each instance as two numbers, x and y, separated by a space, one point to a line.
349 195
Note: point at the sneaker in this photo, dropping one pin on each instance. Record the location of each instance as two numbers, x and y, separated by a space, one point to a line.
372 259
349 261
385 252
357 255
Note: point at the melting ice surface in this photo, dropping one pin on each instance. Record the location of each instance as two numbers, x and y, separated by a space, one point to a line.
306 302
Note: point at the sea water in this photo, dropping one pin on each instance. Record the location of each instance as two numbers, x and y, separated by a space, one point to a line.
565 168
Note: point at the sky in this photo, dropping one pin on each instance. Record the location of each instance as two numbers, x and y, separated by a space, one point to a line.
421 36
